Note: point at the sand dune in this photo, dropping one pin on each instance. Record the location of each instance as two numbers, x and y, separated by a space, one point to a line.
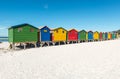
93 60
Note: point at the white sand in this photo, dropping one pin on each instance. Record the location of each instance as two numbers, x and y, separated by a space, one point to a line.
95 60
4 45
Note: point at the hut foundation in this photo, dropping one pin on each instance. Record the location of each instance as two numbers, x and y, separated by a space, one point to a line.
24 46
64 42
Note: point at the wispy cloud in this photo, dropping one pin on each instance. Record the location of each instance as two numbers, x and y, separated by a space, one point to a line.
2 28
3 31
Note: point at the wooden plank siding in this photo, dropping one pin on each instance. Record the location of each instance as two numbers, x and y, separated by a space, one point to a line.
23 33
82 35
101 36
109 35
90 35
72 35
45 34
59 34
96 35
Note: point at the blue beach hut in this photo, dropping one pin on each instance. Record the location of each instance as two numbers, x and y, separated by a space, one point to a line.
45 34
106 35
90 36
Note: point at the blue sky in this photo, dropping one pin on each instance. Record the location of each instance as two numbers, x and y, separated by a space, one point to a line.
96 15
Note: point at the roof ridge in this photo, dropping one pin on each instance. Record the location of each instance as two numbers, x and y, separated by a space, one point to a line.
21 25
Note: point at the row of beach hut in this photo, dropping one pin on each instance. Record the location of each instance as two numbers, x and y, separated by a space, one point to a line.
26 33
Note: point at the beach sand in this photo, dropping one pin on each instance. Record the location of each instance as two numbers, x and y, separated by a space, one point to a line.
90 60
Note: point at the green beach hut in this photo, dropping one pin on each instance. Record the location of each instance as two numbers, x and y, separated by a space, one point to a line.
113 35
103 36
82 35
23 33
86 36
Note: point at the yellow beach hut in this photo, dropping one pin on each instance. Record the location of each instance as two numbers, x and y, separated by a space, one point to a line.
59 34
86 36
96 36
109 35
117 35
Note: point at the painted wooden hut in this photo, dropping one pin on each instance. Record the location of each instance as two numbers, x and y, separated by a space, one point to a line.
82 35
90 36
106 36
72 35
45 35
100 36
96 35
86 36
59 34
109 35
103 36
23 33
117 35
113 35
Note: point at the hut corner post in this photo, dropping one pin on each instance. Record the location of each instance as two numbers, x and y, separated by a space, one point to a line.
35 45
24 46
12 46
64 42
48 43
67 42
53 43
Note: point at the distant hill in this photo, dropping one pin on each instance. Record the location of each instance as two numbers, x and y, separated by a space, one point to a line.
118 31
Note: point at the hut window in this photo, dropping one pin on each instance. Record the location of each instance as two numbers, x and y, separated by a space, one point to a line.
56 31
62 31
45 30
19 29
31 30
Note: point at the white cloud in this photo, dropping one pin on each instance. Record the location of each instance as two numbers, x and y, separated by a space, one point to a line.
2 28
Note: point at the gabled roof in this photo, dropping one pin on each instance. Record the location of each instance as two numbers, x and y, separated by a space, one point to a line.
60 28
44 27
109 33
90 31
82 30
96 31
72 29
22 25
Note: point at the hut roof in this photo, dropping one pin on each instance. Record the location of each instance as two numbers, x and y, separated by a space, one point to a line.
72 29
96 31
44 27
59 28
22 25
82 30
90 31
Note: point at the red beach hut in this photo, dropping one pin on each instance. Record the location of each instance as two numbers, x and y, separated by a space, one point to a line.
101 37
72 35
